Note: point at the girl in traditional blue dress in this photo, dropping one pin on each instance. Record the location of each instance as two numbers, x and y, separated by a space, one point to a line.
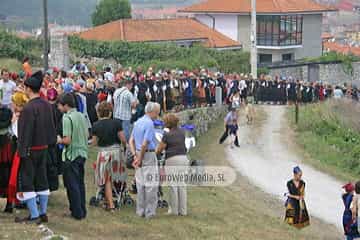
351 213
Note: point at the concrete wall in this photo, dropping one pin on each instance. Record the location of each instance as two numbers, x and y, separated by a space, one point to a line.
225 24
202 118
276 53
312 45
328 73
244 23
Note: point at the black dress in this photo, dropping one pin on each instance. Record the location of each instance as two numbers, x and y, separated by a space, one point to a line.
91 101
292 92
296 212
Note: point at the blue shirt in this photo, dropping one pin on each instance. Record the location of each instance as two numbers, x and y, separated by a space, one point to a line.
144 130
231 118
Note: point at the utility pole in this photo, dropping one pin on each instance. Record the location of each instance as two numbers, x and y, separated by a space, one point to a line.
253 51
46 36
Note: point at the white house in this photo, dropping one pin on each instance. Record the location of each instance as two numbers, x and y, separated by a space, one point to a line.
286 29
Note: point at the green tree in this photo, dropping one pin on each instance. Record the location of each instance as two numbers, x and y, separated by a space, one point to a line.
111 10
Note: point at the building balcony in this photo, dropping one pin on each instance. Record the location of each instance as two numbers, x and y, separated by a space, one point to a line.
279 32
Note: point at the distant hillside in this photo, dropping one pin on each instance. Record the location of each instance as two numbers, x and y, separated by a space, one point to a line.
27 14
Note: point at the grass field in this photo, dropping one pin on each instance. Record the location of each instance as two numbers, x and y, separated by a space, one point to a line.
237 212
329 134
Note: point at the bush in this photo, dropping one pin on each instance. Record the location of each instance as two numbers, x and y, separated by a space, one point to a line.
263 70
12 46
330 133
11 64
161 55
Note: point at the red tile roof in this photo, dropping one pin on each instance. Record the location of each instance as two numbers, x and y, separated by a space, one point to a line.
326 36
154 30
346 5
262 6
24 35
340 48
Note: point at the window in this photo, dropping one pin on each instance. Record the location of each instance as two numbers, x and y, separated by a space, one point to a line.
288 57
279 30
265 58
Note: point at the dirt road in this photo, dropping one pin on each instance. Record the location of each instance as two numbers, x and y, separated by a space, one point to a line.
267 161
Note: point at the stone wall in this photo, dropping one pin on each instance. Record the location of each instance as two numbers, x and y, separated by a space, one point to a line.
294 72
327 73
202 118
334 73
59 51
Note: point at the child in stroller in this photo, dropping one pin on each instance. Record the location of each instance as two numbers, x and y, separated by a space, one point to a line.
110 174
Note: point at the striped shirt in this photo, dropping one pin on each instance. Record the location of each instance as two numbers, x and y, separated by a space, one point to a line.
123 99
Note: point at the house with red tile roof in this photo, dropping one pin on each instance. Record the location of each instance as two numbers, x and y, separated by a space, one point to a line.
326 36
181 31
286 29
341 48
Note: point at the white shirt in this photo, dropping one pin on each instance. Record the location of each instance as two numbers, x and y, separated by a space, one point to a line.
109 76
338 93
7 89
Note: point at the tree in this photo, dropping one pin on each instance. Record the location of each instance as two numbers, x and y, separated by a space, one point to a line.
111 10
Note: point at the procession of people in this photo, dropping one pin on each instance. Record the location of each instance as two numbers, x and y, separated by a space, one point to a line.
114 111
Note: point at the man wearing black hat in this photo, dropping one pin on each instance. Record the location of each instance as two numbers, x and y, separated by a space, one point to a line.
36 131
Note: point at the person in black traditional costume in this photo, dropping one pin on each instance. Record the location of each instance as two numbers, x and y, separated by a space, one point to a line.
296 212
291 91
316 92
36 131
19 100
6 154
256 91
283 97
54 166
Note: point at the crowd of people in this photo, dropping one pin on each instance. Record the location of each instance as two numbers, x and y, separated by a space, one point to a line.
48 120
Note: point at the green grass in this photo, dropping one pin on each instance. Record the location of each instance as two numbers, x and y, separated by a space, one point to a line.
329 133
240 211
12 65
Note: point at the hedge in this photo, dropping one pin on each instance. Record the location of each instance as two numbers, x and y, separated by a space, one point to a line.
161 55
12 46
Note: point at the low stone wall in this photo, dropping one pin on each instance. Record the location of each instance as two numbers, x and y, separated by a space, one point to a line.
295 72
335 74
332 73
202 117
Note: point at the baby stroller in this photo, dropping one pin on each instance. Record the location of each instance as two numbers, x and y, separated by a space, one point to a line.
190 141
159 132
121 196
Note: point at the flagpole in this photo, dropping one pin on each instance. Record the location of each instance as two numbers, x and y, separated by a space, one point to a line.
253 52
46 36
